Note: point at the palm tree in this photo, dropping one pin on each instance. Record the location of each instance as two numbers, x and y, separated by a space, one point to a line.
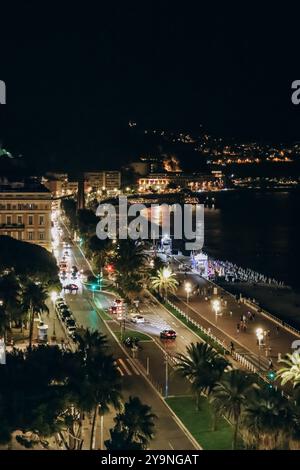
90 344
202 366
129 265
120 441
136 422
34 300
165 281
290 373
229 397
267 419
99 251
104 389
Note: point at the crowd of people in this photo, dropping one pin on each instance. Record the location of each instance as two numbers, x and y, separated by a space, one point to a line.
233 273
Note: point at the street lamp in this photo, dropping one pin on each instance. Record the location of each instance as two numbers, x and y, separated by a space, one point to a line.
216 307
53 297
188 290
260 337
93 290
166 273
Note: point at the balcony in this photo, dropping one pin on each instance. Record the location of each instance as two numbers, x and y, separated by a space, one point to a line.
12 226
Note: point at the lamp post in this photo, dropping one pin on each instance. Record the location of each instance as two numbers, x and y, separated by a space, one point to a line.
53 297
188 290
216 308
260 337
166 376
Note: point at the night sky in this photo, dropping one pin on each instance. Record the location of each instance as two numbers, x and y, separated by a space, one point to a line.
76 76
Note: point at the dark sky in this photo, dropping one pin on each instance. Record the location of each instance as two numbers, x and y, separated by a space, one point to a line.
75 76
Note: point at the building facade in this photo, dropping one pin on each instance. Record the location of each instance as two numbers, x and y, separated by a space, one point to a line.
25 213
192 181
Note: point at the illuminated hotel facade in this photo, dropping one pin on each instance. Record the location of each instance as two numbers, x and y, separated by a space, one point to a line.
25 212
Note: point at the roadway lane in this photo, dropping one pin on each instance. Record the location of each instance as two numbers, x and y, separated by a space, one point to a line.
170 434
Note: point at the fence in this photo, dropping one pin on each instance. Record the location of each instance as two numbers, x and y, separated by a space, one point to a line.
238 357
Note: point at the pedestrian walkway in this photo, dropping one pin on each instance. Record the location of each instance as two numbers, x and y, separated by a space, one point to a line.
235 321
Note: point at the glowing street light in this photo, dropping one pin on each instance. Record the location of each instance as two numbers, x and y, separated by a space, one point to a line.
188 290
216 308
166 273
53 296
260 337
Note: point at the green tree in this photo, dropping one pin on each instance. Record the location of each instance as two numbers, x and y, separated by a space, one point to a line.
119 441
267 419
28 260
290 373
229 397
202 366
90 344
104 389
34 301
134 426
164 282
129 265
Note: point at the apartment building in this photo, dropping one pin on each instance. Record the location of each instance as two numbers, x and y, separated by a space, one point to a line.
25 212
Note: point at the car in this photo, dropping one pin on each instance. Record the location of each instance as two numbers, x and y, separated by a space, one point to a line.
59 301
63 266
137 319
70 322
60 307
71 287
71 330
65 313
168 334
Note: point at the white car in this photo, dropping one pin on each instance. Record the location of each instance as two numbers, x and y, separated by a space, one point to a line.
137 319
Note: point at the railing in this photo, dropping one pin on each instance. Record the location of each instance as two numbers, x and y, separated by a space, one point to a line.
238 357
255 306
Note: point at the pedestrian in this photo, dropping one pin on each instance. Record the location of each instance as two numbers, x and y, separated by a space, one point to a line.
242 318
230 313
271 367
238 328
231 347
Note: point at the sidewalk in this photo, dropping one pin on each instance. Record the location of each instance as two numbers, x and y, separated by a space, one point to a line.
224 326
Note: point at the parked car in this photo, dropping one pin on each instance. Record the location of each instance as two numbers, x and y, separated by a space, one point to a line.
168 334
137 319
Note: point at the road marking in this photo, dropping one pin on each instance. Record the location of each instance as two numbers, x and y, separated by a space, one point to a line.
171 446
124 365
120 371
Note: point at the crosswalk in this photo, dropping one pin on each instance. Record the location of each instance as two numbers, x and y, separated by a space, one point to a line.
126 367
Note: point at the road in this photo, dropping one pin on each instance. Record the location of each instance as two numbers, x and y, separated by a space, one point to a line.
84 305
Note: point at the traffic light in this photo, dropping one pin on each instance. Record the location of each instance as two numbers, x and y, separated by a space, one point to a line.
271 375
110 268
